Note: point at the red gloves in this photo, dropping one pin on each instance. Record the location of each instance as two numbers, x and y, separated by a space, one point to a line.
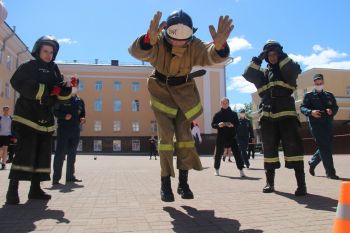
55 91
74 81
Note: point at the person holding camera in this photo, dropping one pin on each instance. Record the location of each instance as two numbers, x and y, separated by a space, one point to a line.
320 107
40 85
279 119
226 121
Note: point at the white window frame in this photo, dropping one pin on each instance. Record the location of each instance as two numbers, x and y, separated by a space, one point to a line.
117 145
117 86
115 105
80 146
154 126
98 107
81 85
98 145
135 126
98 85
135 86
117 126
135 106
135 145
7 93
97 126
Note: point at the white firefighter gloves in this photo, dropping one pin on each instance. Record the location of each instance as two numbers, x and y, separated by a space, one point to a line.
225 27
155 29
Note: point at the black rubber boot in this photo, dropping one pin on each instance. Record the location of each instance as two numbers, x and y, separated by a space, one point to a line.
36 192
184 189
311 169
270 181
12 193
300 176
166 193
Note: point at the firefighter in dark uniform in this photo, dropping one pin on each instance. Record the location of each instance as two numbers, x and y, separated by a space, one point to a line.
244 134
40 85
320 107
226 122
279 120
70 117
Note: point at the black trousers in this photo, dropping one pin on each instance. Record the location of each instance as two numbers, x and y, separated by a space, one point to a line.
283 130
221 143
251 150
33 154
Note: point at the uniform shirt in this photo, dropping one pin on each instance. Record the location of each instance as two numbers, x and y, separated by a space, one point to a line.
5 125
76 107
319 101
244 129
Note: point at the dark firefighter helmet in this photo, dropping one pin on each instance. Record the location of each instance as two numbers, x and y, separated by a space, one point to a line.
272 45
179 26
45 40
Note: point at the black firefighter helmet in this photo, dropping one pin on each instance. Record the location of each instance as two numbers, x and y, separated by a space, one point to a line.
272 45
45 40
179 26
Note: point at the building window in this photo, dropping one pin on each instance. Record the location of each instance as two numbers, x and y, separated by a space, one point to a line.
117 86
348 91
98 126
117 145
9 62
81 85
80 145
135 106
98 105
117 105
7 90
153 126
135 145
98 85
97 145
116 126
135 126
135 86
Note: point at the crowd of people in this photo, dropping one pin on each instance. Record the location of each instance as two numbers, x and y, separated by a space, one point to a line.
173 50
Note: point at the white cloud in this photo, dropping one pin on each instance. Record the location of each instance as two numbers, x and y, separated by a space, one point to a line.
322 57
238 43
241 85
67 41
236 60
237 106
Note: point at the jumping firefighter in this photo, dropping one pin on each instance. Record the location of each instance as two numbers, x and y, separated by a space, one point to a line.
40 85
279 120
173 51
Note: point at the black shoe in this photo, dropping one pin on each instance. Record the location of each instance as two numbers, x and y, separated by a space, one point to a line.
75 180
9 161
155 158
230 160
184 189
301 191
268 188
311 169
55 182
223 158
35 192
166 194
333 177
12 193
3 166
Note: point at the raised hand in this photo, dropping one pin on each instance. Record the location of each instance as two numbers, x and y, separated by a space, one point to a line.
220 36
154 28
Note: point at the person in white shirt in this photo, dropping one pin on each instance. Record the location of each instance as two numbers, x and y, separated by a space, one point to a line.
196 132
5 134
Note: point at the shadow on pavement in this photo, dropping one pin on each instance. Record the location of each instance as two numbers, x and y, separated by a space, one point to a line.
22 217
312 201
66 188
340 178
241 178
203 221
255 169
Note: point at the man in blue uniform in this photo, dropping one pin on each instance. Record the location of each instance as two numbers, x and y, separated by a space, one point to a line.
320 107
70 117
244 134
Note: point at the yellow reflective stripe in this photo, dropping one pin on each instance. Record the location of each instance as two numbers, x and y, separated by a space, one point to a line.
294 158
60 97
271 160
30 169
188 144
40 92
193 111
165 147
254 66
32 124
275 83
279 114
163 108
284 62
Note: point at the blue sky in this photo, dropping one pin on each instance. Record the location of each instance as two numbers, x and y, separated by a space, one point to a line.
315 33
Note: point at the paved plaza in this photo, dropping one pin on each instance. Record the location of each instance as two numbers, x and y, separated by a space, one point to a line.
121 194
